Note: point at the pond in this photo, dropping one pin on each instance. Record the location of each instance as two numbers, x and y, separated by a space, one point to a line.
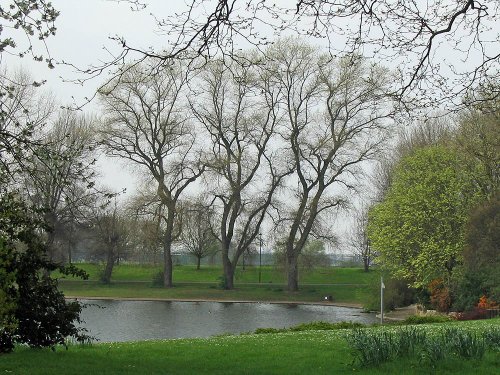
114 320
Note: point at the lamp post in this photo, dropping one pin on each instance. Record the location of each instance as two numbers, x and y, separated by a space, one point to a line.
260 256
382 287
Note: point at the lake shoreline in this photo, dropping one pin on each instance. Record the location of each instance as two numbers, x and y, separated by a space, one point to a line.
281 302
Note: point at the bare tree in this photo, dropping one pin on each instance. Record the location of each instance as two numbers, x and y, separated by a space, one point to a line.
23 114
22 111
358 238
197 237
110 232
240 118
147 210
336 113
145 123
60 177
413 34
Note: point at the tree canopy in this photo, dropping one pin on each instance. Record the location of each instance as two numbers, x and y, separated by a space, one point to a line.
418 229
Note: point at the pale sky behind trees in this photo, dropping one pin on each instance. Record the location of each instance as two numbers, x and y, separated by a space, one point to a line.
84 29
82 39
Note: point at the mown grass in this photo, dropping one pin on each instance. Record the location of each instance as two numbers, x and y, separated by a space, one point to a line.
349 294
211 274
305 352
346 285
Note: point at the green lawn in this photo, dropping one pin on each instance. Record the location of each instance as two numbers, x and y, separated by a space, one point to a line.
346 285
310 352
270 274
198 291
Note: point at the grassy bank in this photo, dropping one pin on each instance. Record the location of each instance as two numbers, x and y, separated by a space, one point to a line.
346 285
310 352
341 293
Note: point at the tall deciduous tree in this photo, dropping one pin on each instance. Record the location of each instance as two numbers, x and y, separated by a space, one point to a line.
418 230
146 210
60 178
111 232
197 238
335 115
358 238
23 113
240 118
145 122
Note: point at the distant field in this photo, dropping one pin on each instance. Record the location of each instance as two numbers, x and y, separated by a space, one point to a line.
308 352
210 274
345 285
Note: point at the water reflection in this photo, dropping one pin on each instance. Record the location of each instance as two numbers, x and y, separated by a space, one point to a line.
110 320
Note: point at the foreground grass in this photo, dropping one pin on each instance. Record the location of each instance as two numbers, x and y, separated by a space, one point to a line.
310 352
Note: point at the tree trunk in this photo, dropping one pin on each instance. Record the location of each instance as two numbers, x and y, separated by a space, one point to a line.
228 273
167 264
70 257
292 272
50 246
198 261
366 263
110 262
51 219
167 249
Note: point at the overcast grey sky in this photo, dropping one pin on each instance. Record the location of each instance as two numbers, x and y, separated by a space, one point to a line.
82 38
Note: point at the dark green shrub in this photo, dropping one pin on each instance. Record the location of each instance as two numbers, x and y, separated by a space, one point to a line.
38 311
467 290
480 254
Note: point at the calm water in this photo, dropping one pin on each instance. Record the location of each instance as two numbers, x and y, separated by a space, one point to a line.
111 321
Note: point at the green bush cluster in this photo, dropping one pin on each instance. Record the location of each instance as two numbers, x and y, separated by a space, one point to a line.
371 348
